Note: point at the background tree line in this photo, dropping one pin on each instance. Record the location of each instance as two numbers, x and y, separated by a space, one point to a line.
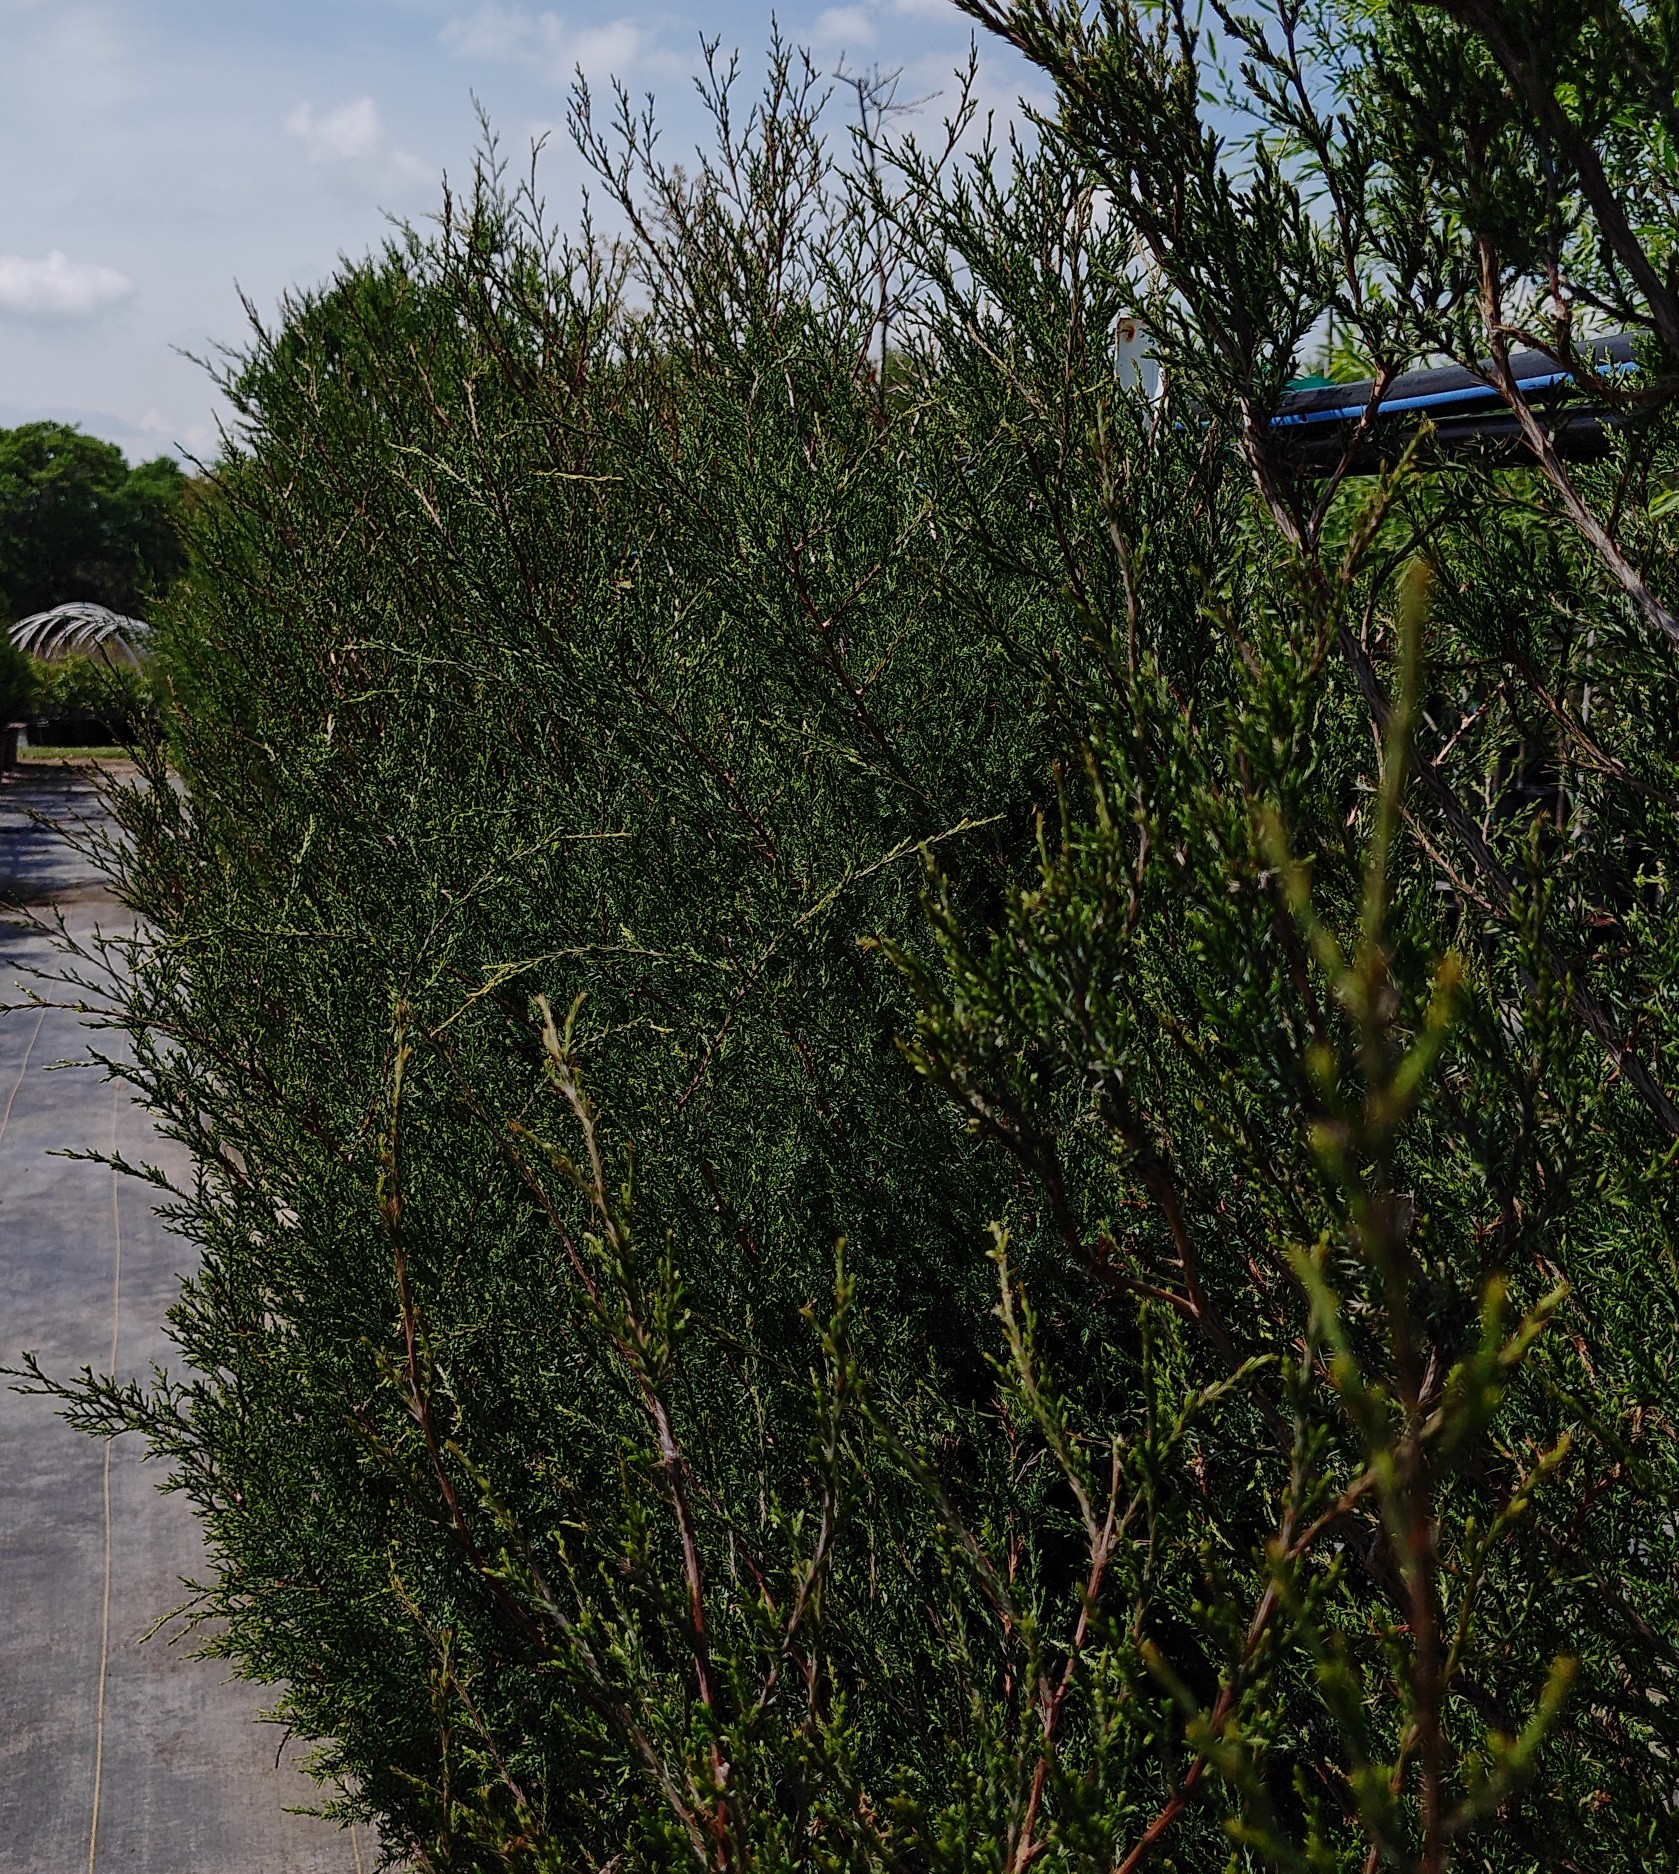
934 1119
76 522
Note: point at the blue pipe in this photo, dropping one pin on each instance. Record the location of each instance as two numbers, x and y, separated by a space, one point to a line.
1434 399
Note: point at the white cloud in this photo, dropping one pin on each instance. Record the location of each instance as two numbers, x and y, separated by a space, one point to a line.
163 435
847 26
341 136
545 43
352 137
493 32
59 288
611 50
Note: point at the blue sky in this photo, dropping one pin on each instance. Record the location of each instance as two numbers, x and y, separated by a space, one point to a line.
159 156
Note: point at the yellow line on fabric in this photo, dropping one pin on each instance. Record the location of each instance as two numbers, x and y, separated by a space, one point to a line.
105 1609
11 1098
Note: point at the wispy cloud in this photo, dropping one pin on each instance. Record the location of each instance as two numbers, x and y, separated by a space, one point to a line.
342 136
352 138
84 52
58 288
551 46
156 434
940 10
848 27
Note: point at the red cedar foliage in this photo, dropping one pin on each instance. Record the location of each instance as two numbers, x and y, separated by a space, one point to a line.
936 1106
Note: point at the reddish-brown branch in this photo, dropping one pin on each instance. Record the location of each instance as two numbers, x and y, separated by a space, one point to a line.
1051 1705
1540 441
634 1342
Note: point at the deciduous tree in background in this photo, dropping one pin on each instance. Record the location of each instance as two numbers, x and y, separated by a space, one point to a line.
76 522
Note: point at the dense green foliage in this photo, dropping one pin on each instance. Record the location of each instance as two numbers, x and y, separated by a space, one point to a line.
76 700
76 522
1238 1429
84 698
16 687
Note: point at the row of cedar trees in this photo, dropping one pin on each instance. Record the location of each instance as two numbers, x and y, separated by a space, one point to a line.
935 1119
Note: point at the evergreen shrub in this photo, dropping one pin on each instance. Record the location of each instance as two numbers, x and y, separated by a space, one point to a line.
932 1104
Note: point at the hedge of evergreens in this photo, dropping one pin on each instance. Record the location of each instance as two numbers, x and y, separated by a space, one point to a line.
934 1107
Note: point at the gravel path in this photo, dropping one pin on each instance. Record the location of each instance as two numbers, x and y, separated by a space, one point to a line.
117 1753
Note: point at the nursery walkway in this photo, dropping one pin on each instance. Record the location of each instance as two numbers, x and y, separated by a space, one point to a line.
115 1754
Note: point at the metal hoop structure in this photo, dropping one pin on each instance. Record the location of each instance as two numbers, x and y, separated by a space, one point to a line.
81 627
